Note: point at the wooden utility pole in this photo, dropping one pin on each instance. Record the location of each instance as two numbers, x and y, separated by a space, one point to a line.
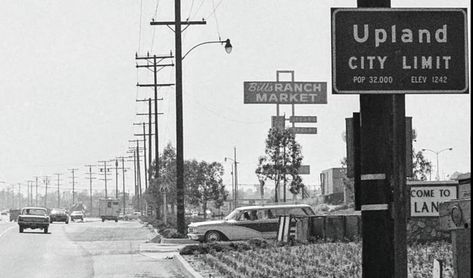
116 178
383 179
144 152
177 23
154 63
138 176
123 184
36 193
30 192
19 195
150 145
46 182
58 175
133 150
105 171
73 185
90 185
137 161
235 168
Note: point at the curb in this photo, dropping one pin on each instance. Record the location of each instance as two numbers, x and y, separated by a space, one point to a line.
187 266
178 241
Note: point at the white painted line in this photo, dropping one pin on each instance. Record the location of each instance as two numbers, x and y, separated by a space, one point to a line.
368 177
374 207
6 231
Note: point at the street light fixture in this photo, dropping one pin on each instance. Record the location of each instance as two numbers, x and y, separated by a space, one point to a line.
228 46
437 155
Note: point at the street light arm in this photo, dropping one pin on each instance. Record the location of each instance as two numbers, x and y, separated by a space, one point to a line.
446 149
231 159
428 150
437 152
227 45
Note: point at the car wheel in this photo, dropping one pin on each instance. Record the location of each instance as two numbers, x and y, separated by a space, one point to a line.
21 229
45 230
211 236
67 222
116 219
103 219
50 221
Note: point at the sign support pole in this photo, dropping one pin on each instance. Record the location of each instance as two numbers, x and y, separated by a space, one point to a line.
383 180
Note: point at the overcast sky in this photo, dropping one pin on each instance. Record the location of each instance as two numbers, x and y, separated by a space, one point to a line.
68 84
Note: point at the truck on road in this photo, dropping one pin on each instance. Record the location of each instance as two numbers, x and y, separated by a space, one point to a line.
14 213
109 209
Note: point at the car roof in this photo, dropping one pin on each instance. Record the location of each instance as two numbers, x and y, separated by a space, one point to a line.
275 206
34 208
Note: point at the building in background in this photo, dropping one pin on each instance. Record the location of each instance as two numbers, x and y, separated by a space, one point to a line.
332 185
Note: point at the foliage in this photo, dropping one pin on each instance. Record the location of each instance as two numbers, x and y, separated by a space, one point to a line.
203 181
206 248
317 260
282 160
206 184
421 166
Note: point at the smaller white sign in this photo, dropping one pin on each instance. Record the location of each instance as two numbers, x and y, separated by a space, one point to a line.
425 200
437 271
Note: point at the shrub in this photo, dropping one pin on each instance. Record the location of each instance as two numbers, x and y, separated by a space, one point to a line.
192 250
240 246
256 242
171 233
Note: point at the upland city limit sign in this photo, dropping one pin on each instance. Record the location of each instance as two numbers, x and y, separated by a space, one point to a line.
276 92
380 50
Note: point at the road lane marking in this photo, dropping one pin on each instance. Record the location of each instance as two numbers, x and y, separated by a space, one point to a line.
4 232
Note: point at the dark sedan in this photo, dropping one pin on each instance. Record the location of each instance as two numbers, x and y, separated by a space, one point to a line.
59 215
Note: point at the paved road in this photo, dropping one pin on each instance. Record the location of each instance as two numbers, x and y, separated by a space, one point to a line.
84 249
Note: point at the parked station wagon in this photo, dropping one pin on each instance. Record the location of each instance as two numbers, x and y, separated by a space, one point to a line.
246 223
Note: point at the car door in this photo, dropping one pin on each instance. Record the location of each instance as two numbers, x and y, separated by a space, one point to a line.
268 223
254 223
243 228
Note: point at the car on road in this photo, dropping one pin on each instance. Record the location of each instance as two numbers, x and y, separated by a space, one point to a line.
246 223
58 215
14 214
33 218
133 215
77 214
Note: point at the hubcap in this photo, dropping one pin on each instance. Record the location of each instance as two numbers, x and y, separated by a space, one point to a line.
213 236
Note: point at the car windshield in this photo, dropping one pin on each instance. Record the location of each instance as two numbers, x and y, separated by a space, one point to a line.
76 212
57 211
233 215
34 212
